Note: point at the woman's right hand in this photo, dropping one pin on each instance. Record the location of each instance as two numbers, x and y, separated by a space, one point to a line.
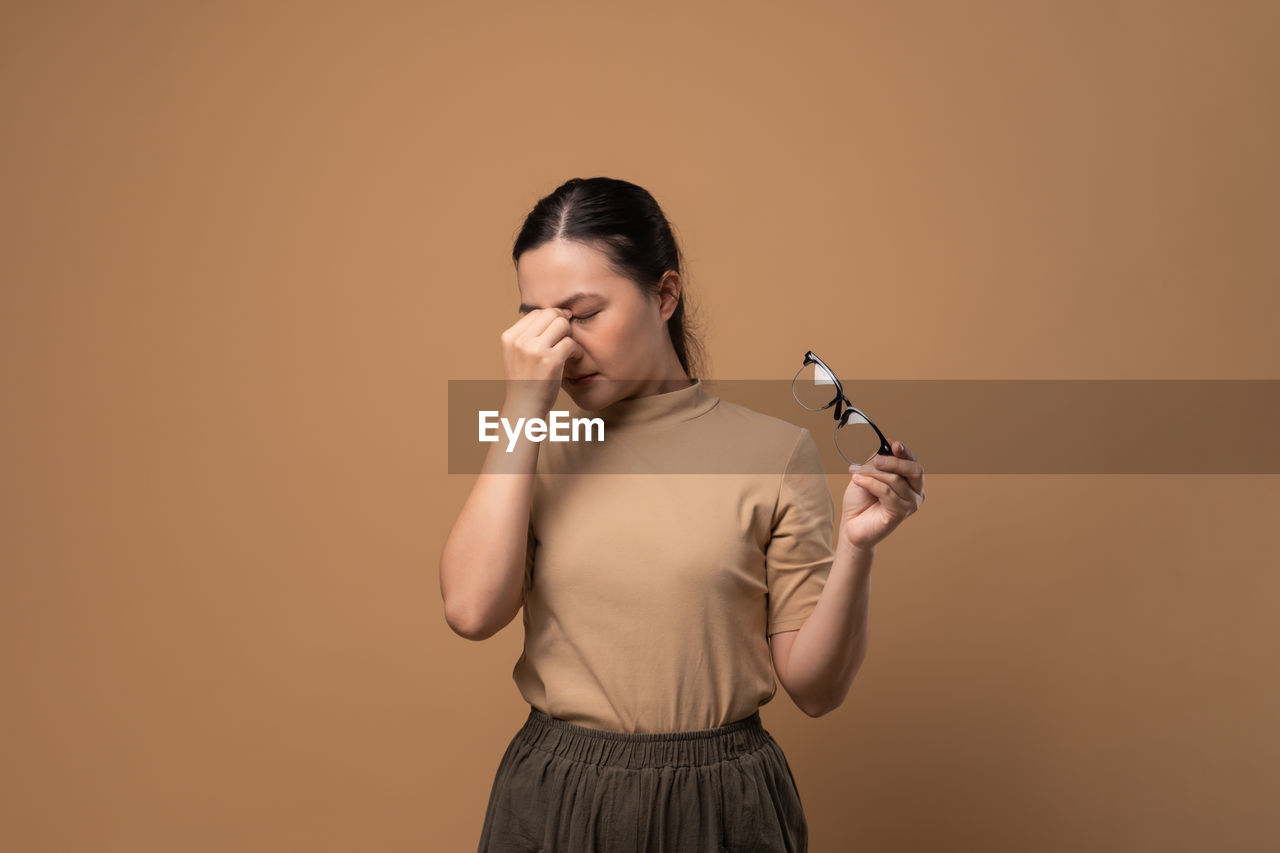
534 351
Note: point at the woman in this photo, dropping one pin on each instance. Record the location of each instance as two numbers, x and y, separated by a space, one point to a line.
657 608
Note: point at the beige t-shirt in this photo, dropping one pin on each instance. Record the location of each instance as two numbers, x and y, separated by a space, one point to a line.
649 597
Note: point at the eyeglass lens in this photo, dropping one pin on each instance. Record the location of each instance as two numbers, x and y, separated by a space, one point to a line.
814 388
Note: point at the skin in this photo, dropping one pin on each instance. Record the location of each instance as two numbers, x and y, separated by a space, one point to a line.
621 331
579 317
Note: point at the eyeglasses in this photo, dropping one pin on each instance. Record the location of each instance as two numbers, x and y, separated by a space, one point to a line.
816 387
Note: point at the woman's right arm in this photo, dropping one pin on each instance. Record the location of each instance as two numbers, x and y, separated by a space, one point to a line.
483 561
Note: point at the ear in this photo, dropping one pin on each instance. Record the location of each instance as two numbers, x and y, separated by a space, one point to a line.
669 294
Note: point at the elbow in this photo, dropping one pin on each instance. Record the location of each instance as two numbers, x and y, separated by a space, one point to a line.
460 615
463 621
468 629
472 611
470 625
820 710
820 706
814 705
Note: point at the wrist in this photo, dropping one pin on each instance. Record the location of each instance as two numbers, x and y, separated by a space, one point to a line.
527 405
859 551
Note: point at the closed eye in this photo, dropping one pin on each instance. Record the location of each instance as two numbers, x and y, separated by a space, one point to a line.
587 316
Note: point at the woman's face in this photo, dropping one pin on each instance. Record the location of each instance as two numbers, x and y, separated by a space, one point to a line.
622 331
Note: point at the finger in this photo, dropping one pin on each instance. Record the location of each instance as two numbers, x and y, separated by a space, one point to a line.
898 484
886 493
905 463
566 348
529 318
894 464
547 319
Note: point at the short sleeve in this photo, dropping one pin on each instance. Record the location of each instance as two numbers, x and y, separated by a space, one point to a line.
799 554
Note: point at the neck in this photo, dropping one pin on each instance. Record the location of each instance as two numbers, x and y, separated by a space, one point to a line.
675 401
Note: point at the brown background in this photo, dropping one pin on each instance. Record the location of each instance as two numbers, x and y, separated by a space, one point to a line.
246 245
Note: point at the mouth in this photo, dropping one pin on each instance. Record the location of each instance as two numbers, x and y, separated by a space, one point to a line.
583 379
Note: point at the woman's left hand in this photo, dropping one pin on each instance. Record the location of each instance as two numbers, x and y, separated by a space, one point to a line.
880 496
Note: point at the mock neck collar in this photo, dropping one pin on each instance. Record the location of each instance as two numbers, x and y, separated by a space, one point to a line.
667 408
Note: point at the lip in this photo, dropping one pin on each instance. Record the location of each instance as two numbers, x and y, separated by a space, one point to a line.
581 380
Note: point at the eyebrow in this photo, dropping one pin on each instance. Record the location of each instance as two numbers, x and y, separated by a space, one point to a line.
567 303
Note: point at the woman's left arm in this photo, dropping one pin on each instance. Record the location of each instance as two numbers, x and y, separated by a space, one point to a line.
817 663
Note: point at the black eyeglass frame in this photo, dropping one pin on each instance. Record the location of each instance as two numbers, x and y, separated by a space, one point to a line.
844 408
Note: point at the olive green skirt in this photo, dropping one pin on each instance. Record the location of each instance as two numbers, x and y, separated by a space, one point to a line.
564 788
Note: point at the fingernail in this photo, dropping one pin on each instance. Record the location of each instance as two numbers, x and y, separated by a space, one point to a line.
880 461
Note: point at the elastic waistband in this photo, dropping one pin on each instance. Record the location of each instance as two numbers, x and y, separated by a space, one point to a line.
643 749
